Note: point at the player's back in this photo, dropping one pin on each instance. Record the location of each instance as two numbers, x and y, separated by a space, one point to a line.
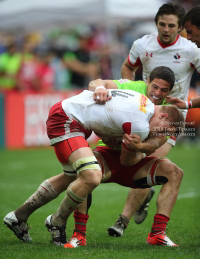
110 120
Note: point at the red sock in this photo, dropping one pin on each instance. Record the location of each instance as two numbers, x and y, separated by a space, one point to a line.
80 220
159 224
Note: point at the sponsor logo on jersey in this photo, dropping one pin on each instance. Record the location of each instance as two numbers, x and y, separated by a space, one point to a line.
143 103
149 54
177 57
121 81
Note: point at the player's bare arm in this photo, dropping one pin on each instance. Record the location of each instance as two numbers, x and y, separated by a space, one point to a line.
147 146
193 103
99 87
133 150
176 101
130 157
128 71
108 84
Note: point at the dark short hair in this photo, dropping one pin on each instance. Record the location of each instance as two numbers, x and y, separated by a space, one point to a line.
170 8
193 16
164 73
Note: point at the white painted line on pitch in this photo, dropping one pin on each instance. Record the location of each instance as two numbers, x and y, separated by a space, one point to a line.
18 165
188 195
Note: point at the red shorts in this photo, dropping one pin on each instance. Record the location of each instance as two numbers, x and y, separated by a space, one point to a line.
61 127
66 147
120 174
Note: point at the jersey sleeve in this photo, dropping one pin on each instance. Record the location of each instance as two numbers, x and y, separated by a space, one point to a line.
140 128
133 57
126 84
194 57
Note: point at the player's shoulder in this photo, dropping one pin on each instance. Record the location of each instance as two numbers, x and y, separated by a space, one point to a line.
146 40
185 43
149 37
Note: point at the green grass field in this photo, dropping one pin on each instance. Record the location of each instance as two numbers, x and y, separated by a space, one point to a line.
22 172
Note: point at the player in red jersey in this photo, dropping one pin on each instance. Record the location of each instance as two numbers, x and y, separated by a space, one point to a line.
148 172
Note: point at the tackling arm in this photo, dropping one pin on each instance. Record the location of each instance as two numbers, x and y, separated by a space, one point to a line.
101 94
193 103
108 84
133 148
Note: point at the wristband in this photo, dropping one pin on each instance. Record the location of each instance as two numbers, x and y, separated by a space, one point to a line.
188 104
101 86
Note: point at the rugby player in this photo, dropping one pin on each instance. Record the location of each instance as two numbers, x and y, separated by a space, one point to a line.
90 177
191 23
164 48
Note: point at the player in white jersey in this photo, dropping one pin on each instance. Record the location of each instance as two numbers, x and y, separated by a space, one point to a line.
168 48
117 116
71 121
182 57
191 23
68 127
159 84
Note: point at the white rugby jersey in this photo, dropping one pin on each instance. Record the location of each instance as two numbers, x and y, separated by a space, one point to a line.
182 57
127 112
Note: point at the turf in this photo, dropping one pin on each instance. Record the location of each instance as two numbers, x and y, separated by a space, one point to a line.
21 173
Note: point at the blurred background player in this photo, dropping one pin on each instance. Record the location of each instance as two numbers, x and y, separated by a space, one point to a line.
167 48
191 22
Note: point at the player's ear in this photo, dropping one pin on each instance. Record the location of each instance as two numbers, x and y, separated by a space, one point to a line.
148 81
164 115
180 29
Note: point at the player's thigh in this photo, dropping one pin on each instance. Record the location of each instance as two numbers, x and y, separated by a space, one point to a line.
158 171
152 173
169 171
77 158
101 158
86 165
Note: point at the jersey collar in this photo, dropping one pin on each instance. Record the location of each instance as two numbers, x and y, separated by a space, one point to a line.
163 45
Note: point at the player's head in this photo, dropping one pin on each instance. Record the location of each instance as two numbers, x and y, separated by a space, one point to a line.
169 22
160 83
191 22
167 120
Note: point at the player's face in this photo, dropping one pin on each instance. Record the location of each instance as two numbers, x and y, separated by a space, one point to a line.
193 33
157 90
168 28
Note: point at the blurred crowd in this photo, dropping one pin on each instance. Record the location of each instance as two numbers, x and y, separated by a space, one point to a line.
60 60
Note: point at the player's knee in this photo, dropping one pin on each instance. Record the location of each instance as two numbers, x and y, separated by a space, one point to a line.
89 170
93 178
180 173
174 172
